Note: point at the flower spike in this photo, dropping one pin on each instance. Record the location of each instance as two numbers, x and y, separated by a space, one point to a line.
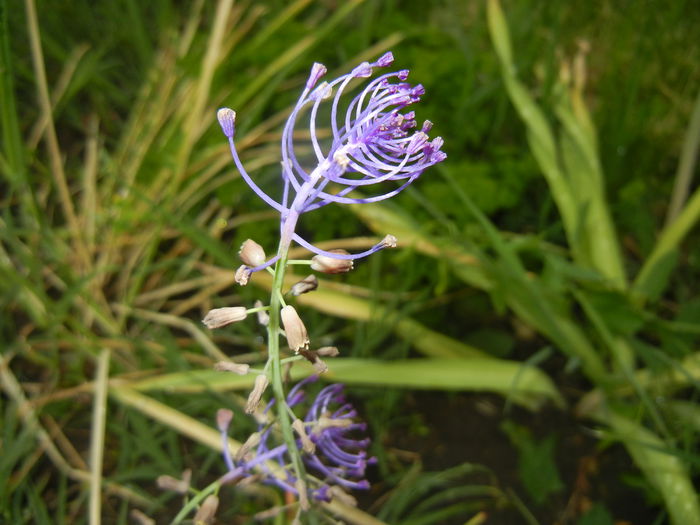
374 143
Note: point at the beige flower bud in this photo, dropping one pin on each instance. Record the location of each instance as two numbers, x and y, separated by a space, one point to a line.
306 285
219 317
316 361
389 241
230 366
263 316
242 275
251 253
325 264
294 329
140 518
250 443
223 419
207 510
306 444
320 366
259 387
338 493
267 514
325 422
328 351
181 486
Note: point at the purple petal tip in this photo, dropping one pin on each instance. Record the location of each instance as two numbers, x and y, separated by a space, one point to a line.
317 71
386 59
227 121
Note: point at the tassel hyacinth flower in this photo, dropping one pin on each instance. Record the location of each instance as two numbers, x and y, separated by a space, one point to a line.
374 150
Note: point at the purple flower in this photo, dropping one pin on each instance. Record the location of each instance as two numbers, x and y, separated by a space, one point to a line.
339 458
374 142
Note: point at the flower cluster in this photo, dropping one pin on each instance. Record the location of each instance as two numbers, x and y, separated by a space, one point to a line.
375 151
328 437
374 141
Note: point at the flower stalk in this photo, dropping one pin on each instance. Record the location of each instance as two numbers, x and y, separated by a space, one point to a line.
274 361
375 150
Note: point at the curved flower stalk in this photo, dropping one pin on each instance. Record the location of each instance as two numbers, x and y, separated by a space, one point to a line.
374 141
334 456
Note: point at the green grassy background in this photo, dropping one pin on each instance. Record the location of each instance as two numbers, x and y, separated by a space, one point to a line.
563 305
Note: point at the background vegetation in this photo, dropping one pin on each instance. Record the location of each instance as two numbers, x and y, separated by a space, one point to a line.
529 353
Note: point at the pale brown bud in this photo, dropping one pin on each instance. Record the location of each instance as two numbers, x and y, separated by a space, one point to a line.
316 361
306 285
297 337
320 366
242 275
325 422
267 514
328 351
140 518
181 486
207 511
306 444
259 387
338 493
250 443
251 253
389 241
219 317
325 264
251 479
223 419
263 316
300 485
230 366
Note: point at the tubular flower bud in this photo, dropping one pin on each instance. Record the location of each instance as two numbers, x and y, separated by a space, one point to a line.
263 316
336 492
219 317
181 486
250 443
328 351
297 337
223 419
327 264
320 366
251 253
230 366
306 285
316 361
207 510
259 387
306 444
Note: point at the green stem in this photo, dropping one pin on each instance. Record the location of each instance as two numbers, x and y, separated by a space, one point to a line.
274 361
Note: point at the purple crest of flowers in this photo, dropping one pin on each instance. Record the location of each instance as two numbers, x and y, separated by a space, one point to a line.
339 459
374 140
